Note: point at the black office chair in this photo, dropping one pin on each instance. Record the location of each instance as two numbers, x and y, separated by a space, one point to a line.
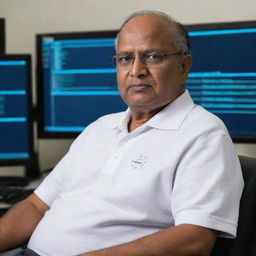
245 242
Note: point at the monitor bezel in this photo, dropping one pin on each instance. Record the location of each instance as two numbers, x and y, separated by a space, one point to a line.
39 76
237 138
2 35
30 163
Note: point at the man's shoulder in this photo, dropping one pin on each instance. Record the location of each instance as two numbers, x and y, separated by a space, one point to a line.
111 120
200 117
101 126
108 121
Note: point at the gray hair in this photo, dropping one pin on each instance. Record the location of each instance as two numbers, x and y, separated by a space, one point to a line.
182 42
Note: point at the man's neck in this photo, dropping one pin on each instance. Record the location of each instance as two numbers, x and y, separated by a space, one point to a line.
138 117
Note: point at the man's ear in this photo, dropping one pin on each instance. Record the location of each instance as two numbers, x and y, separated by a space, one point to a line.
186 63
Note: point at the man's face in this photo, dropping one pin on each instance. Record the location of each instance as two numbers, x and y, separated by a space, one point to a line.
149 88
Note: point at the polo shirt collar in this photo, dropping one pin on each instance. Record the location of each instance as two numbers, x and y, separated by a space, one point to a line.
117 120
170 118
173 115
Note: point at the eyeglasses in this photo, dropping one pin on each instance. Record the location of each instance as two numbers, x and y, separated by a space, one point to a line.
126 60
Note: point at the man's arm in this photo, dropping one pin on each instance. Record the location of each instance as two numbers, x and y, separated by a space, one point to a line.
182 240
17 225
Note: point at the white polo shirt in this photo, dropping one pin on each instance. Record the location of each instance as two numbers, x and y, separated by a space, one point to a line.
113 186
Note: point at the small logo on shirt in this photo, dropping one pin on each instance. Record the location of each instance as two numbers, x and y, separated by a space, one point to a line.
139 162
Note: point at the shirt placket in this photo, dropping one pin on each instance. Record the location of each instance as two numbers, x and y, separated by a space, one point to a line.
116 155
120 149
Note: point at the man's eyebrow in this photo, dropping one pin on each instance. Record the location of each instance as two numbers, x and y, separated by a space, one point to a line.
145 52
120 53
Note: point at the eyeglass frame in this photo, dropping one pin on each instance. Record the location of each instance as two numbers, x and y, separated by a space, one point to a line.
142 58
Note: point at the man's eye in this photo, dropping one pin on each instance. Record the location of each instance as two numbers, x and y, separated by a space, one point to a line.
153 57
123 59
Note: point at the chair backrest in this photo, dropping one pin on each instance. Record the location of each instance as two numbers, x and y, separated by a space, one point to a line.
245 242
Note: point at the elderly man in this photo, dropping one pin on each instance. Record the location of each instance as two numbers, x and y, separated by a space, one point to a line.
154 180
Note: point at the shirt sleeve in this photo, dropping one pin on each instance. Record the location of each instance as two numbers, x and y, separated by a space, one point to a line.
208 185
55 182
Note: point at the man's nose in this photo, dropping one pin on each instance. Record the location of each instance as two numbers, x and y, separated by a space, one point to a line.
138 68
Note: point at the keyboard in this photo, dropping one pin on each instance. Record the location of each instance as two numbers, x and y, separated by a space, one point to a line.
13 181
12 195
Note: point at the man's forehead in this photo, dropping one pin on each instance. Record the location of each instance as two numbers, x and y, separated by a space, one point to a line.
151 22
147 28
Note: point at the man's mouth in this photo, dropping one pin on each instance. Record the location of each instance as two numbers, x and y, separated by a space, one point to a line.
138 87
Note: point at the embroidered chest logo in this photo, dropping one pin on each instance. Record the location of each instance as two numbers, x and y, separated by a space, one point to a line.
139 162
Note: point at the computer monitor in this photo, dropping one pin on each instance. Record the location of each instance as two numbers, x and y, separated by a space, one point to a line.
76 81
223 74
16 131
2 35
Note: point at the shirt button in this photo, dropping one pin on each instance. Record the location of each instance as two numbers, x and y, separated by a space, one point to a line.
115 157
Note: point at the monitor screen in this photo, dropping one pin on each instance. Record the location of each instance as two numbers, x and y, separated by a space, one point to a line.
16 134
76 81
223 74
2 35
